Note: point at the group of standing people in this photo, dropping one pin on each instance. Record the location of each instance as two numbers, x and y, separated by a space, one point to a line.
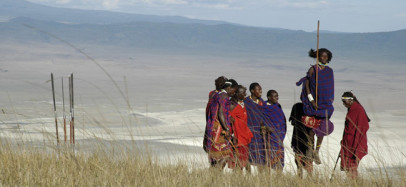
242 130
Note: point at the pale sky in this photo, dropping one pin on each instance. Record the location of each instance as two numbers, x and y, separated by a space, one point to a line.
334 15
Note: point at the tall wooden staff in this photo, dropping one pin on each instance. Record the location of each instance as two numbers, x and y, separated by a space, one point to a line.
53 96
72 114
317 61
64 114
70 111
73 110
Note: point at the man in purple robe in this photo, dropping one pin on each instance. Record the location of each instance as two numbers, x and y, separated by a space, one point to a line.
274 114
319 78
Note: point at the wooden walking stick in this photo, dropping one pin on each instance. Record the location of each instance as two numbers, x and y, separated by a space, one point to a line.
64 114
268 143
317 61
265 143
332 173
53 96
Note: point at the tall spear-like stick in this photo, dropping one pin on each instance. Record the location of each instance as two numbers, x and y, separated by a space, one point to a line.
70 111
73 110
64 114
317 61
53 96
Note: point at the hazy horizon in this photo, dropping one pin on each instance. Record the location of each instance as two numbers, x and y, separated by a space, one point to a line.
340 16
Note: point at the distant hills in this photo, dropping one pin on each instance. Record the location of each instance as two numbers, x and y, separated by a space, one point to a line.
21 8
85 27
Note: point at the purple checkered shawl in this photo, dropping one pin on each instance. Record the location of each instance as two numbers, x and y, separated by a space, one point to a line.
325 93
213 116
277 119
255 116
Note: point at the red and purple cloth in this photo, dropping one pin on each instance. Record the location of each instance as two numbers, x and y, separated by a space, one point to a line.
211 95
223 147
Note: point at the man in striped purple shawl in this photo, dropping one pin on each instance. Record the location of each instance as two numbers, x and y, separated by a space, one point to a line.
256 119
218 126
277 131
323 109
219 83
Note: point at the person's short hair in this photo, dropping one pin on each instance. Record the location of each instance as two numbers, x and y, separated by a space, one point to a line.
219 82
253 85
269 93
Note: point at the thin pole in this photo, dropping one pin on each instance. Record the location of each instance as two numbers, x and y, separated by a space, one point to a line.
64 114
73 110
53 96
126 93
268 139
332 173
265 144
317 60
70 111
266 150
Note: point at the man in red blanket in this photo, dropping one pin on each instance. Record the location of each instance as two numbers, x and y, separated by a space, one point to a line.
354 143
242 134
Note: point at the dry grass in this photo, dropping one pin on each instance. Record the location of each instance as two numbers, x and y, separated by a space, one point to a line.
23 166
